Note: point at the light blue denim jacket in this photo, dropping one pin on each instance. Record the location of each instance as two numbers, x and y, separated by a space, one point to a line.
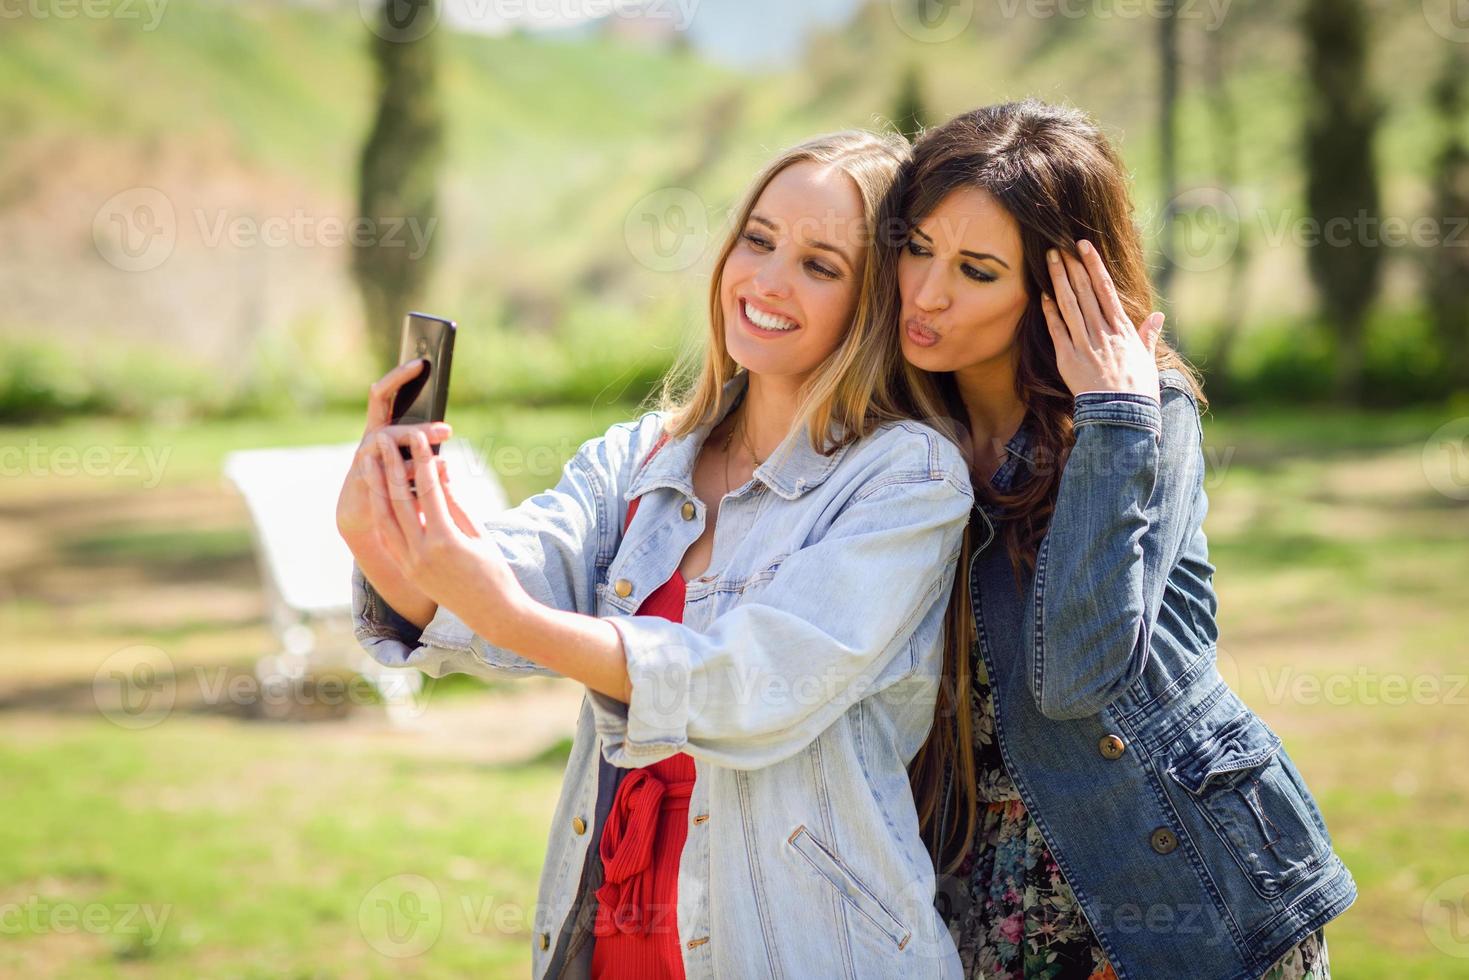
1188 836
801 681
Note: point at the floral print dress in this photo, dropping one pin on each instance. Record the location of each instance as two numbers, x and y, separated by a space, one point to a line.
1016 917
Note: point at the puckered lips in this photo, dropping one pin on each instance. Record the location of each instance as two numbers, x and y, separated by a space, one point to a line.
920 331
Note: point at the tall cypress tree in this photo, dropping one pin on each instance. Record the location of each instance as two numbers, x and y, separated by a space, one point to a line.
398 172
1167 138
1341 178
1448 269
909 113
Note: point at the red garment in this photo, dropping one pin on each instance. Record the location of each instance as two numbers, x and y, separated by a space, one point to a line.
636 932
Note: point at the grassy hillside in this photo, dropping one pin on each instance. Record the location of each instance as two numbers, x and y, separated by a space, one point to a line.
242 114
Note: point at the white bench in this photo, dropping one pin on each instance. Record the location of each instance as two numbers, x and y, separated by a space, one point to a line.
306 568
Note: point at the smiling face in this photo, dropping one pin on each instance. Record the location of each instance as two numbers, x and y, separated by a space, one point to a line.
962 280
789 288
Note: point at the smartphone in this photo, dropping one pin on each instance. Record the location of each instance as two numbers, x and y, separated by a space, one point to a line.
425 397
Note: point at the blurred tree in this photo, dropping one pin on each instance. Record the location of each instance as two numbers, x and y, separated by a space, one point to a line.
1448 269
910 114
1345 256
1167 138
398 173
1218 57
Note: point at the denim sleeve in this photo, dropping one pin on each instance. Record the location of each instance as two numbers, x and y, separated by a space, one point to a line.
552 541
770 675
1127 503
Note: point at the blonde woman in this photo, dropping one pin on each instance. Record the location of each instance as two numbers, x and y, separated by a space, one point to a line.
751 584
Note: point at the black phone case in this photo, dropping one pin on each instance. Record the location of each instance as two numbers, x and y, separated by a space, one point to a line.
426 397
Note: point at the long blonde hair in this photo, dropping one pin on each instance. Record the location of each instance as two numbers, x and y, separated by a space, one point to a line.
857 386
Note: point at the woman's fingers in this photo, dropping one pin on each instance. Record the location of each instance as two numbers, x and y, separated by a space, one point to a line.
1151 330
380 395
1114 315
426 482
437 432
382 515
1060 336
402 434
463 520
400 496
1066 299
1086 297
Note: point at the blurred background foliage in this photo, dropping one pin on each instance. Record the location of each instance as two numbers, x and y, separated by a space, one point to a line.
553 139
176 177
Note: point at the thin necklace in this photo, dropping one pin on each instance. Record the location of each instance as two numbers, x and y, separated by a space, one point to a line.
729 438
744 437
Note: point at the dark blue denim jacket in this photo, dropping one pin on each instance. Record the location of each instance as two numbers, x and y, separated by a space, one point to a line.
1186 832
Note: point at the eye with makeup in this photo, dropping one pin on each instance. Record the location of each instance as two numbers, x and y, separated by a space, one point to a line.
758 242
818 269
972 272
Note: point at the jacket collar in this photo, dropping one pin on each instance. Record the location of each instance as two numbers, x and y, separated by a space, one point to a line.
1017 451
792 469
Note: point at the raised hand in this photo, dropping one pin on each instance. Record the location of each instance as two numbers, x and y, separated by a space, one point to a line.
1098 348
354 505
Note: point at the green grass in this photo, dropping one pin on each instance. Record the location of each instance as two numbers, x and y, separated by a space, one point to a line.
260 856
278 849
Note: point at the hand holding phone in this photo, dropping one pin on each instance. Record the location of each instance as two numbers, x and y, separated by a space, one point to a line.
425 397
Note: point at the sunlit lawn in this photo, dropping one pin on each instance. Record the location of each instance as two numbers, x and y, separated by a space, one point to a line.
213 845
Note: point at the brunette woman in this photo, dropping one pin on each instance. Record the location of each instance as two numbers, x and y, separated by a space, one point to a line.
1104 804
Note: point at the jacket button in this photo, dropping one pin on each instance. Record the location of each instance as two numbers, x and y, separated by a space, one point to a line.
545 941
1111 747
579 825
1163 840
687 510
622 587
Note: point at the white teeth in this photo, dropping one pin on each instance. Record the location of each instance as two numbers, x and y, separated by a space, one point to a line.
768 321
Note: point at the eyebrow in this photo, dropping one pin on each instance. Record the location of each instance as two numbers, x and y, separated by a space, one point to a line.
972 255
825 246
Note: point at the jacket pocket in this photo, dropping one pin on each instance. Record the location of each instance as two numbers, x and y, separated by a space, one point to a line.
858 895
1251 794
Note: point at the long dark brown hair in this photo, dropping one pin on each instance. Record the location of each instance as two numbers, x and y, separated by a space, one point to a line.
1056 174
